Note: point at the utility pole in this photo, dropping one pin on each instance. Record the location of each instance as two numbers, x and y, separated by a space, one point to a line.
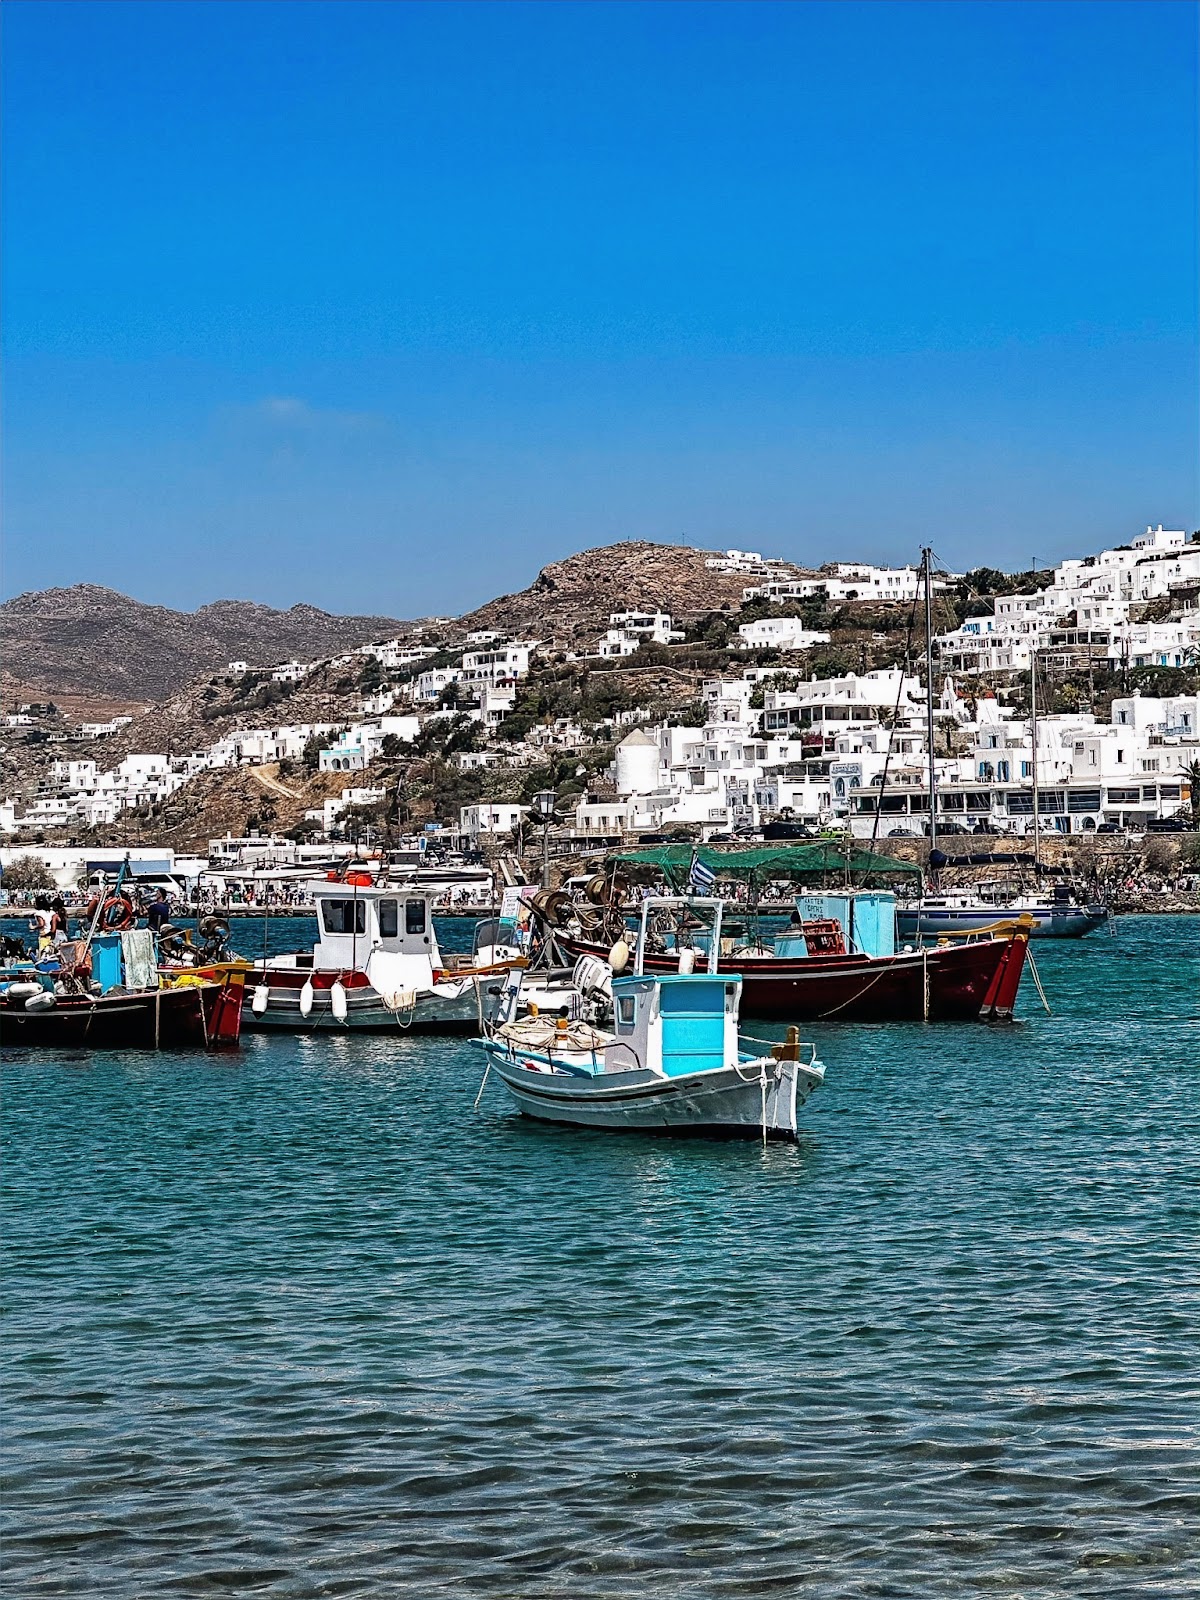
1033 765
927 569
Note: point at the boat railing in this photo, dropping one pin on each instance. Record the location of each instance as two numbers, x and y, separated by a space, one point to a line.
1005 928
790 1048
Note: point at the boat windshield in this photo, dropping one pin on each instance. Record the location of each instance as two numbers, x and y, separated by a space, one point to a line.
344 916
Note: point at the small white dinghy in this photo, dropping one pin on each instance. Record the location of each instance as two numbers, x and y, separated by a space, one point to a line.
671 1065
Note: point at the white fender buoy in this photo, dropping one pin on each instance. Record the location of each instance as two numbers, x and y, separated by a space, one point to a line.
261 997
618 956
44 1001
687 961
337 1002
306 998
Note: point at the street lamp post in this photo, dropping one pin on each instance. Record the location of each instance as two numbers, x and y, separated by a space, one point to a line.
544 802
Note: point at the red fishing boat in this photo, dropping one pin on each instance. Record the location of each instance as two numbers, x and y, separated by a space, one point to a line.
836 962
105 992
193 1014
964 981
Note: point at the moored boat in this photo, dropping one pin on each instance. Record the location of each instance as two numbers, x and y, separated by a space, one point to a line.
1059 915
672 1063
839 961
968 980
106 994
376 966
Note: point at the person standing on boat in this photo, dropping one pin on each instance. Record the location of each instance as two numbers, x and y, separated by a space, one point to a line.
60 921
159 912
39 922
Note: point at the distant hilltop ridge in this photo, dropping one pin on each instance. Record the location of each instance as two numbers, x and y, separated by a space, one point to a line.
87 638
576 595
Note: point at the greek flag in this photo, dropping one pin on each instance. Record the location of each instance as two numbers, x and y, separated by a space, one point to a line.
701 878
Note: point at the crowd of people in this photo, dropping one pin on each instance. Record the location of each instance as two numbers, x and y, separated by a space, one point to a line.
51 921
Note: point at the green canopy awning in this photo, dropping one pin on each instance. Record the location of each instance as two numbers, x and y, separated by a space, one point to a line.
674 861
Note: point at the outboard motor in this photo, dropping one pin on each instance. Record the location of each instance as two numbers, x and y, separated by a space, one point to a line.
593 978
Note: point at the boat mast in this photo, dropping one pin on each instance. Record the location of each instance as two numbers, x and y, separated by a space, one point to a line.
927 569
1033 765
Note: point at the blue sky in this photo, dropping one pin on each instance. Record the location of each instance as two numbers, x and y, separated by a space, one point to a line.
383 306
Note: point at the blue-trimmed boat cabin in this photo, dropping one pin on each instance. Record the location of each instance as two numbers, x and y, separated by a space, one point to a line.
675 1024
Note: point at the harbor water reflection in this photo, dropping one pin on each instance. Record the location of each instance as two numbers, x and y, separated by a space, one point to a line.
299 1321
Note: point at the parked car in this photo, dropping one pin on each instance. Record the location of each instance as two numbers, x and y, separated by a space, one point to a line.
901 833
786 830
1109 827
1167 825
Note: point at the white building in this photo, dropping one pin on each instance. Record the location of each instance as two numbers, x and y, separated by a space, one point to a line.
396 653
432 685
362 743
74 775
629 630
638 764
497 664
779 633
291 671
747 561
489 818
850 581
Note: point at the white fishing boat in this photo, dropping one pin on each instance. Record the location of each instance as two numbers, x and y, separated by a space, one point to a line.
672 1063
376 965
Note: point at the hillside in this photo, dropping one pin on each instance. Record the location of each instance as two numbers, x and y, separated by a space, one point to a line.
87 640
572 599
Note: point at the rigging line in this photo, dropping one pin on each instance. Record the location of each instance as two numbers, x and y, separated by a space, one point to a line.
887 759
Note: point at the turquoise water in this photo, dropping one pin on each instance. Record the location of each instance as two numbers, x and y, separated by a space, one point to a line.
301 1322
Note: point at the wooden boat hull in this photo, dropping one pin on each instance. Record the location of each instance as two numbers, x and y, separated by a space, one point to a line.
191 1016
948 983
751 1101
366 1010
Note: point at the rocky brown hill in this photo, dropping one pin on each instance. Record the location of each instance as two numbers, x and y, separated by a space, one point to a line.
573 598
87 638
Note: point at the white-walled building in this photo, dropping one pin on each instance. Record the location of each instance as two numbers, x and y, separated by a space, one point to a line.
74 775
849 581
497 663
779 633
489 818
291 671
431 685
361 743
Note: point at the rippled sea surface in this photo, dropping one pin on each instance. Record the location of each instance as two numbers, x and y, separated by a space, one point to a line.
302 1322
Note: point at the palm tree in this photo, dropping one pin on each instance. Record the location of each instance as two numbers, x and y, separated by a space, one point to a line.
1190 772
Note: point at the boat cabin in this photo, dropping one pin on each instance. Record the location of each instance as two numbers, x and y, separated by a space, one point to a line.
674 1024
681 1022
865 920
354 920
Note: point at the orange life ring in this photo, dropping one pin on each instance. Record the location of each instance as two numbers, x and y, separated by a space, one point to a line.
121 904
